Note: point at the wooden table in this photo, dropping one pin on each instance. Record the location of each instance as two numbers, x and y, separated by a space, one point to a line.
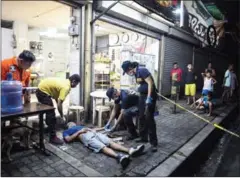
30 110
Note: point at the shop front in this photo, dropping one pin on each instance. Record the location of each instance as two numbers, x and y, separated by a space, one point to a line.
169 43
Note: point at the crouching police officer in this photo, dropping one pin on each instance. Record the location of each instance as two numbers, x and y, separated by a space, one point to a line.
147 102
125 103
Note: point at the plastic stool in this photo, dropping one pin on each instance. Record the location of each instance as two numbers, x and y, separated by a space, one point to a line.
77 109
100 109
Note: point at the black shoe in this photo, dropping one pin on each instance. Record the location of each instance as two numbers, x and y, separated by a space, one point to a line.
124 161
140 140
131 137
136 151
153 148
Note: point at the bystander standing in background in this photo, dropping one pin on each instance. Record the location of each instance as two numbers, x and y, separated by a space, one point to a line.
190 84
176 78
227 84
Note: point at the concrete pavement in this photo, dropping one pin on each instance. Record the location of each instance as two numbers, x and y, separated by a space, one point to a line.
175 131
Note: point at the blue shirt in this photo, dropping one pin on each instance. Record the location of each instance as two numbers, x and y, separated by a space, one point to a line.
126 100
228 78
72 130
141 74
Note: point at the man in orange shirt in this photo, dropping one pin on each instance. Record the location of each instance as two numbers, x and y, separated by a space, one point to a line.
18 67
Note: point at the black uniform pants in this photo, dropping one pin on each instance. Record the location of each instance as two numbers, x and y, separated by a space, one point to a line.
147 124
128 115
50 116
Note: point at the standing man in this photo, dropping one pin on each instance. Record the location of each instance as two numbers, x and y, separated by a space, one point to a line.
19 66
227 83
57 89
234 85
190 84
125 103
176 78
210 69
147 102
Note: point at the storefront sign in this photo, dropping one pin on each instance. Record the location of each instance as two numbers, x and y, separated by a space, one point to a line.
197 27
202 24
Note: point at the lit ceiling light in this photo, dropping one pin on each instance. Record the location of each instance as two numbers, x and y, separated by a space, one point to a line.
51 32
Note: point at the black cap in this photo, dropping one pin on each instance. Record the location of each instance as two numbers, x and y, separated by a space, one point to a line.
110 93
125 66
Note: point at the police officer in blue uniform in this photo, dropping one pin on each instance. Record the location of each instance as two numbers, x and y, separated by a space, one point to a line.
126 104
147 102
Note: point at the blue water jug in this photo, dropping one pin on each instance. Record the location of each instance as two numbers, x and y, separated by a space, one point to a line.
11 95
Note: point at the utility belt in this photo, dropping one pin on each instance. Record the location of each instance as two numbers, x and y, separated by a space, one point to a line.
153 94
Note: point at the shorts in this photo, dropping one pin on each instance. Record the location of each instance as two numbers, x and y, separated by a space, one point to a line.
95 141
205 103
205 92
175 90
227 88
190 89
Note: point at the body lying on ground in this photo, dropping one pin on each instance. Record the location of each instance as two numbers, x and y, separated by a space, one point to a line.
99 142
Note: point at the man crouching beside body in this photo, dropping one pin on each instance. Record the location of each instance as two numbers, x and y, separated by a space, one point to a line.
100 143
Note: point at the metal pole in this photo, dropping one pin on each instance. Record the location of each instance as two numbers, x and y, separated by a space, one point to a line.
105 11
88 62
82 61
182 14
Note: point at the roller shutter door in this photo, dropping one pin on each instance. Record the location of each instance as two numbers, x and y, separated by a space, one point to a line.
175 51
200 64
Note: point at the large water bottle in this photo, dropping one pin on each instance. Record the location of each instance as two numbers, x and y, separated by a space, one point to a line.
11 95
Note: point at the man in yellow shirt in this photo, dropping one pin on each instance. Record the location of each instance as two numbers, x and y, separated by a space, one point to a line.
57 89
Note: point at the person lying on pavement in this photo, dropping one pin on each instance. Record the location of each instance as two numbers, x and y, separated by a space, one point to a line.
99 142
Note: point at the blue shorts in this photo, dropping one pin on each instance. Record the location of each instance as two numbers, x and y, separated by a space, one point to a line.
95 141
205 103
205 92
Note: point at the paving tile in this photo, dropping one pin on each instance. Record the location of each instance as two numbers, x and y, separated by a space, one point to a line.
173 131
49 170
72 170
41 173
15 173
30 174
79 175
65 173
55 174
25 170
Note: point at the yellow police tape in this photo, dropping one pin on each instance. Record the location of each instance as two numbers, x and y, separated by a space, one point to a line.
205 120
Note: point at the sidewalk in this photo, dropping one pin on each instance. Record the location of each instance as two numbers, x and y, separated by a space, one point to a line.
173 130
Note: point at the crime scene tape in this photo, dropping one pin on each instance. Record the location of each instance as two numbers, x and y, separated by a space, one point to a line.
200 117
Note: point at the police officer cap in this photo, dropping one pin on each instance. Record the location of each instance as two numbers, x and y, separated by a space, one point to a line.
125 66
110 93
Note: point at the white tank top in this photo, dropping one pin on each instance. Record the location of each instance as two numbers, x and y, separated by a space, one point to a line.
208 84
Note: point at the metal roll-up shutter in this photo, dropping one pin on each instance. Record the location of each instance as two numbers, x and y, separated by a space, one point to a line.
200 64
220 64
175 51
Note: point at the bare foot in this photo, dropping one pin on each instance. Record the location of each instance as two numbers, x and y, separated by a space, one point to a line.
209 115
